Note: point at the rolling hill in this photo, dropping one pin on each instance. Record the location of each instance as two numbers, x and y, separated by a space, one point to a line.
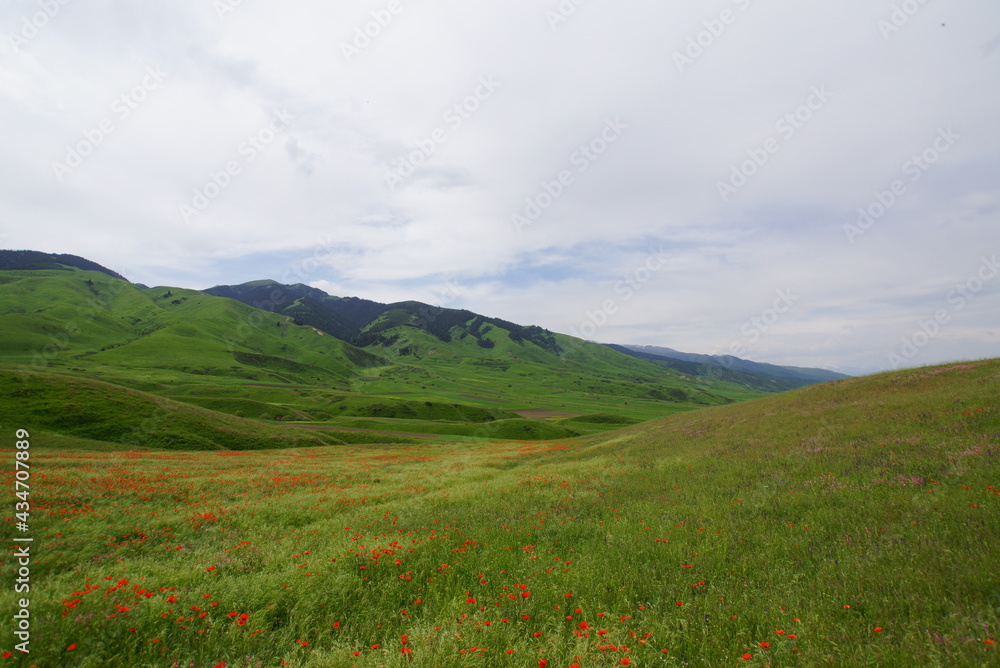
405 368
847 524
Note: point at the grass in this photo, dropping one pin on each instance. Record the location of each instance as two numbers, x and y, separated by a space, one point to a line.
98 411
848 524
227 357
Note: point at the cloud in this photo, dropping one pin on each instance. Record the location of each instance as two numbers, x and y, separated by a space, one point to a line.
487 111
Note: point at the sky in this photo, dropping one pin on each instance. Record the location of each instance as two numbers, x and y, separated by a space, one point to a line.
804 183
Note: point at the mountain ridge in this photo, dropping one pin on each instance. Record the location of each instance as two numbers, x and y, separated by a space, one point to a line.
759 375
375 334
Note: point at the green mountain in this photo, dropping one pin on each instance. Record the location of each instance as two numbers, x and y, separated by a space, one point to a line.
368 323
756 375
28 259
406 368
365 323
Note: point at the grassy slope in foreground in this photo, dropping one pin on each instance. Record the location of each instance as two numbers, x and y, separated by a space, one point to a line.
850 524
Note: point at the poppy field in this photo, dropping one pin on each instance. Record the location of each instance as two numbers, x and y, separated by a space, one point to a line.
847 524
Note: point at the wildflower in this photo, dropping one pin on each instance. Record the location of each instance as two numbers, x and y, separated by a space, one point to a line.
747 656
71 647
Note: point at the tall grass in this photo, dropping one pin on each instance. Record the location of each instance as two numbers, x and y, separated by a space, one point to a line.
850 524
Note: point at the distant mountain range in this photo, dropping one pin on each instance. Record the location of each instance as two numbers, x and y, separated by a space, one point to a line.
140 325
766 377
367 323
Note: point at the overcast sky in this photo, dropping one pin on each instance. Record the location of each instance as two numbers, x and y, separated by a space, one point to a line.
685 174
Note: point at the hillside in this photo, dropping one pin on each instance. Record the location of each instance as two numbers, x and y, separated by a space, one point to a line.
758 375
841 525
364 322
462 374
22 260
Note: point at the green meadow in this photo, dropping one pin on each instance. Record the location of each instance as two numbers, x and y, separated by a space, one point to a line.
164 346
853 523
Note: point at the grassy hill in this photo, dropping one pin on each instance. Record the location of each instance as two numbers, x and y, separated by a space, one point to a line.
848 524
456 375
